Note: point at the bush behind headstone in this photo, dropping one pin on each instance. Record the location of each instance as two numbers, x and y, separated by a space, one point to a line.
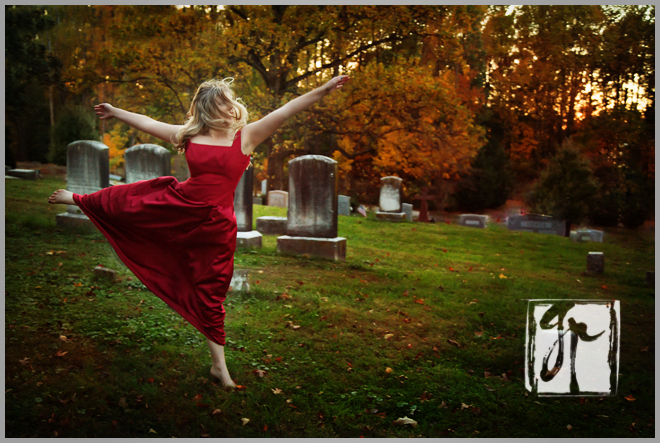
75 123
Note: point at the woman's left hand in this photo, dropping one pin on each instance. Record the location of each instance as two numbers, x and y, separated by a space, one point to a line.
336 83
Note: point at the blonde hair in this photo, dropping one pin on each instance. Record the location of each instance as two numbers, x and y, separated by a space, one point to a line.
205 112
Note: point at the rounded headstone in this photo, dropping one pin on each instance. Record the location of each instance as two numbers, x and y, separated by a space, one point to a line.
243 201
145 162
390 194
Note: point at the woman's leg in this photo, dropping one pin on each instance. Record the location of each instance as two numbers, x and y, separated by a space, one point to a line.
61 197
219 367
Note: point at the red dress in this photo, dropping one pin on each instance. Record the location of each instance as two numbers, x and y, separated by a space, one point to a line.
179 238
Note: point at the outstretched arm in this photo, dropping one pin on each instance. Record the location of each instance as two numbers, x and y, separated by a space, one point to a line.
141 122
258 131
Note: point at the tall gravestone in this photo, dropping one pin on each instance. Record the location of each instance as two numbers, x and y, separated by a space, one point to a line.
246 236
390 200
541 224
344 205
87 171
145 162
312 212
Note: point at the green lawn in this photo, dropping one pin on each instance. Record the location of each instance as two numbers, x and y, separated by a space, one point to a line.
425 321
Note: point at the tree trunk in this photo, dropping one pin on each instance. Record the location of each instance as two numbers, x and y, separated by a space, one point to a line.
568 228
275 170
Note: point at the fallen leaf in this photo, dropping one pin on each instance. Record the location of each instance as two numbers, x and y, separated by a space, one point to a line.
420 301
443 405
454 343
644 349
503 276
388 370
122 402
603 286
151 431
265 428
61 353
464 406
388 336
276 391
487 374
290 325
425 396
278 359
405 293
451 269
479 333
259 372
283 296
241 387
630 398
150 380
24 361
216 412
405 421
569 427
198 397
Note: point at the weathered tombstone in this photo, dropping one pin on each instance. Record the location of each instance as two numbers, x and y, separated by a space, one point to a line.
264 188
312 212
595 263
408 210
88 170
390 200
180 167
105 273
541 224
344 205
145 162
26 174
240 280
587 235
279 199
473 220
271 225
246 236
257 201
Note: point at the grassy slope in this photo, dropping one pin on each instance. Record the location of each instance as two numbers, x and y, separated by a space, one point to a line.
89 358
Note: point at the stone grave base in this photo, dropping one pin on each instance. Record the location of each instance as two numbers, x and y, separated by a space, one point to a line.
240 281
587 235
27 174
257 201
391 216
330 248
271 225
248 240
69 221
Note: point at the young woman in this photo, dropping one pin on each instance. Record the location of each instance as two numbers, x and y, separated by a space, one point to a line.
179 238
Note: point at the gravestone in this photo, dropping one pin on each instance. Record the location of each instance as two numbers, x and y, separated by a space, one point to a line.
595 263
240 280
408 210
541 224
390 200
279 199
180 167
587 235
312 211
88 170
271 225
246 236
26 174
264 188
424 204
145 162
257 201
473 220
344 205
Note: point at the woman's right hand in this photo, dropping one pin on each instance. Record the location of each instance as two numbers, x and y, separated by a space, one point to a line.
104 111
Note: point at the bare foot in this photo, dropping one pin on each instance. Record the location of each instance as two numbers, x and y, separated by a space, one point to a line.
61 197
224 377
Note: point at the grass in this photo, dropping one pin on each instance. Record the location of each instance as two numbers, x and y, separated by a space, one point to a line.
90 358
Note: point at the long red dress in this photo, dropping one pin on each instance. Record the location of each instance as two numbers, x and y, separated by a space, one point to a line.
179 238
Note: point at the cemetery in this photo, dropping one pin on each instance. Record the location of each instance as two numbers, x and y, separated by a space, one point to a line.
406 221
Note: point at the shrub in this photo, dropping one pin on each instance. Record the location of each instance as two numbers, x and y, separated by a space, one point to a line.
75 123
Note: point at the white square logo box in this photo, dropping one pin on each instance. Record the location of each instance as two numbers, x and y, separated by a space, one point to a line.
572 347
